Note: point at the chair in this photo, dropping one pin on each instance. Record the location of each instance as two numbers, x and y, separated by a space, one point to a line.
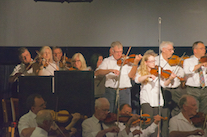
10 115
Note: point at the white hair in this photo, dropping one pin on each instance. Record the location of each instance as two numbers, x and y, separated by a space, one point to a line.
164 44
101 101
43 115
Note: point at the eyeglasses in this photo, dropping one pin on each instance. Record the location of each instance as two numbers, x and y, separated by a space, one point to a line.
171 49
118 51
152 61
201 48
44 104
76 61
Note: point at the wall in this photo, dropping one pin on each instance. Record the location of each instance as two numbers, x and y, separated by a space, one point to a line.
97 24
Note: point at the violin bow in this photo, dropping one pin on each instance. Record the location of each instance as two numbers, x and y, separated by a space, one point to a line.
117 90
181 58
59 129
204 124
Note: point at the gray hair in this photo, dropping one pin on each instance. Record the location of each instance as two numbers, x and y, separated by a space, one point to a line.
183 100
164 44
43 115
195 44
116 43
100 101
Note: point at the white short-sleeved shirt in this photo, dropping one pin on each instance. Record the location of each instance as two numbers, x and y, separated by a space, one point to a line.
111 78
193 78
91 126
180 123
26 121
175 69
145 132
39 132
150 92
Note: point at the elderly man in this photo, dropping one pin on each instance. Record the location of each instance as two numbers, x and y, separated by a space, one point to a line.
21 69
94 126
27 122
57 55
111 70
181 124
196 76
136 130
44 122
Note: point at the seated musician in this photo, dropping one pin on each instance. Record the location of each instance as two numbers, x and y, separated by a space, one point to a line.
125 109
57 55
79 62
21 69
27 122
45 65
44 121
181 125
93 126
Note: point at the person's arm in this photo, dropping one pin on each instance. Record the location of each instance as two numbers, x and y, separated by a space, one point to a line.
103 72
134 66
142 78
168 81
76 117
186 133
27 131
113 129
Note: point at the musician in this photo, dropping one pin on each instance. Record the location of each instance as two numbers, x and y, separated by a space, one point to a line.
20 69
93 126
194 70
150 96
181 124
110 69
45 66
44 121
173 92
99 81
57 55
27 122
125 109
79 62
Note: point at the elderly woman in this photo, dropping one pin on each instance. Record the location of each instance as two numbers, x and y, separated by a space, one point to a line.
79 62
45 67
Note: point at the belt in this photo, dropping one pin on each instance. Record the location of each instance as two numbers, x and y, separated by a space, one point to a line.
196 87
119 88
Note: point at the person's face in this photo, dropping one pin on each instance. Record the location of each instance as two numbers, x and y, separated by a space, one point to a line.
126 110
150 63
25 57
168 51
100 59
40 104
200 50
117 52
191 106
47 54
57 54
102 111
77 63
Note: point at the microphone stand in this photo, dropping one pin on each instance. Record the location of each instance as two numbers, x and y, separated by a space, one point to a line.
159 72
117 105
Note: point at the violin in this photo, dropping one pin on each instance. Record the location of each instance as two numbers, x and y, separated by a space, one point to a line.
164 73
129 60
199 119
65 62
73 68
176 60
203 59
63 116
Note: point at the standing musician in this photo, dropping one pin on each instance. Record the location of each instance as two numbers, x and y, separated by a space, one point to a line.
181 125
110 69
149 94
95 126
21 69
45 66
173 92
27 123
136 130
195 70
57 55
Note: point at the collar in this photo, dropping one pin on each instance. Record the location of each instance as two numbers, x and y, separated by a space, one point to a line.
33 115
95 119
181 117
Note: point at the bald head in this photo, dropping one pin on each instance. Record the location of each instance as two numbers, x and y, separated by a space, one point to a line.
43 115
